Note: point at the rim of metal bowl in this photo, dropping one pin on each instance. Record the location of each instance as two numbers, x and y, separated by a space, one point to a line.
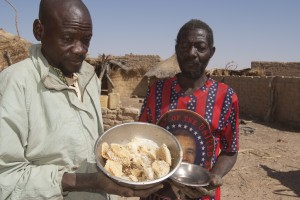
138 183
205 171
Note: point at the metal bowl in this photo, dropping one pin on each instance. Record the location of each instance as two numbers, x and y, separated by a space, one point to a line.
191 175
124 133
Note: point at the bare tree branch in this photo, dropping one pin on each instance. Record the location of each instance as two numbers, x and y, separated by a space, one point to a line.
16 15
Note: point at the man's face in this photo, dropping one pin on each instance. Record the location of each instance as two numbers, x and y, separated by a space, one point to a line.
188 146
194 52
66 38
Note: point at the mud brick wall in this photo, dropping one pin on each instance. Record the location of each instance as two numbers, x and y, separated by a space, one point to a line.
287 106
128 87
277 68
118 116
272 99
132 82
251 91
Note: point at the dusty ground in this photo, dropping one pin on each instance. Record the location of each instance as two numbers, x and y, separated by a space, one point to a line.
268 165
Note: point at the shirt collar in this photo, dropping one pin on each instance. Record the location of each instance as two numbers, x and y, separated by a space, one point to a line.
72 81
66 80
60 75
180 91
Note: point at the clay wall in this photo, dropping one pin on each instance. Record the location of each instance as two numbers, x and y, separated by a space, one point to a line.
113 117
271 99
132 82
277 68
127 86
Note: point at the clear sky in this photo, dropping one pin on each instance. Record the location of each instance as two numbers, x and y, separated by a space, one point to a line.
245 31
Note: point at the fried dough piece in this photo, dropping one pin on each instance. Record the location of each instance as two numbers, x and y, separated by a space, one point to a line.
104 150
120 150
145 147
160 168
149 173
120 153
114 168
163 153
139 160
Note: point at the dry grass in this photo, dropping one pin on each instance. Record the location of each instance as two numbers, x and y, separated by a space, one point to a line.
12 49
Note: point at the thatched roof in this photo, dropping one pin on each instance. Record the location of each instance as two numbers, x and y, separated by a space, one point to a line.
169 67
12 49
129 65
165 69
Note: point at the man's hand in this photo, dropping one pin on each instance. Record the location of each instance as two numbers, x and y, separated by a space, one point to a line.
197 192
111 187
215 181
99 182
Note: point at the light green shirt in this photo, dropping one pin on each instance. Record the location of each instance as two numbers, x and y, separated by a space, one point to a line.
45 130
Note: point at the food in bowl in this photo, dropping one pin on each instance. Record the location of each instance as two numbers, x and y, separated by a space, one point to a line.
124 133
139 160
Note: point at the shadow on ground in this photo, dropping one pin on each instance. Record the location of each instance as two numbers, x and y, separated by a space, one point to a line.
289 179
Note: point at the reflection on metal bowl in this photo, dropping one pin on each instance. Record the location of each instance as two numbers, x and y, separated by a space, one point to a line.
124 133
191 175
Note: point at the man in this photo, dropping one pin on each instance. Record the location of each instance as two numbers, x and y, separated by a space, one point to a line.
50 115
188 145
192 91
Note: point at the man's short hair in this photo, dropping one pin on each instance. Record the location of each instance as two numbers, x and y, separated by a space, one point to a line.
194 24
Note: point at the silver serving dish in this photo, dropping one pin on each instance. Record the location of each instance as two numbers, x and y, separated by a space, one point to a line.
124 133
191 175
